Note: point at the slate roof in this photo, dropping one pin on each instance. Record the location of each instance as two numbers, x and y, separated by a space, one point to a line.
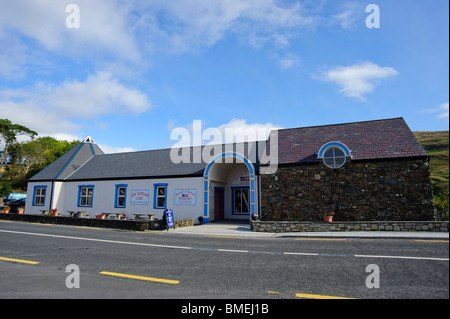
132 165
370 140
68 163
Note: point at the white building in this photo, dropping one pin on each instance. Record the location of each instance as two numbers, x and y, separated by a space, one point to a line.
86 179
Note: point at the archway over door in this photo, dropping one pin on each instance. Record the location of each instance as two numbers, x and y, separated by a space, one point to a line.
218 175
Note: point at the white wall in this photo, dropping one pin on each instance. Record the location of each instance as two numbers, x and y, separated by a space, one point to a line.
29 207
65 197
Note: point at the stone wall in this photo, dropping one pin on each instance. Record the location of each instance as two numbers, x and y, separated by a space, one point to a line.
287 227
133 225
396 190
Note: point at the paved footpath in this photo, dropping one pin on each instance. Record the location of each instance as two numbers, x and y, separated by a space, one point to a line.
239 229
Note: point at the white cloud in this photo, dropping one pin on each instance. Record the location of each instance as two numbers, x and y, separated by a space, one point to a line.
443 111
358 79
289 61
244 131
41 27
235 131
116 33
350 13
107 149
191 25
57 110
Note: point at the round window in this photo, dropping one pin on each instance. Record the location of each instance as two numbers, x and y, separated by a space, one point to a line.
334 157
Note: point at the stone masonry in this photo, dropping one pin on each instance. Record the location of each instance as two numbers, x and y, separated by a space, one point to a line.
288 227
390 190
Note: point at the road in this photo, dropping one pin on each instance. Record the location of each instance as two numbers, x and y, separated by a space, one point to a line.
36 261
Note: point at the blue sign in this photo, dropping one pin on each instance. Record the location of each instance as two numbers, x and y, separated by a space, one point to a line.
169 218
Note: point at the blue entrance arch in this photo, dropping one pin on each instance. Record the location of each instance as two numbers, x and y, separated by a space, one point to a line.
206 181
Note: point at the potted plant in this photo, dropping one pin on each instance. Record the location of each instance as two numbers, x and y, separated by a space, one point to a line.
123 217
100 216
328 217
254 216
6 209
54 212
78 214
200 220
20 210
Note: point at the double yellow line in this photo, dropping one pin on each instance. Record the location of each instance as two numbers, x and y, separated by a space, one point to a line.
115 274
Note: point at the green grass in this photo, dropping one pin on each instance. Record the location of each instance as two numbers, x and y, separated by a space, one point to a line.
437 146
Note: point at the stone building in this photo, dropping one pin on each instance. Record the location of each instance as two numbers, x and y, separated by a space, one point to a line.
363 171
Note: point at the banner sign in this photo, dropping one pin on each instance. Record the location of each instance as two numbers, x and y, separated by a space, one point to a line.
185 196
169 218
241 179
140 197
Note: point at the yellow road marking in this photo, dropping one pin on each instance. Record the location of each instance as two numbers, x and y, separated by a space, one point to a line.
273 292
430 241
216 236
166 281
6 221
86 227
19 261
309 296
321 239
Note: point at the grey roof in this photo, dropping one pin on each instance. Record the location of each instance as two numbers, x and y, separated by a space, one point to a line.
380 139
143 164
66 165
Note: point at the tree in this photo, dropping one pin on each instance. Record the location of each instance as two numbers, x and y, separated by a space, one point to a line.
9 133
29 157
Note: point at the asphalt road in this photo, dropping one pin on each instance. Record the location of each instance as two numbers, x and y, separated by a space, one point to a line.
121 264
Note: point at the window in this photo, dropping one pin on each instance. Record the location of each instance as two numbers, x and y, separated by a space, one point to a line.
160 198
334 154
334 157
121 196
85 195
241 203
39 195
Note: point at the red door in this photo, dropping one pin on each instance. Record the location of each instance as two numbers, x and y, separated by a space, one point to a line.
218 203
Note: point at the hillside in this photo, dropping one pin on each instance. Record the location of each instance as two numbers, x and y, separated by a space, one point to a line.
437 146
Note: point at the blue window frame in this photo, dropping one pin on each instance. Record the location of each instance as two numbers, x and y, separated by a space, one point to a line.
160 196
39 194
85 195
120 199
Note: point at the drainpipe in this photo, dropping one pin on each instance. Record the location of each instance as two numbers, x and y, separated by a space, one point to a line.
51 196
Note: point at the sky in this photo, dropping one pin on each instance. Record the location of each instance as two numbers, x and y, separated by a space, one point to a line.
128 73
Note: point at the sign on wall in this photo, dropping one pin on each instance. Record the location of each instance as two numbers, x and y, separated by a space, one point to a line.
140 197
185 196
241 178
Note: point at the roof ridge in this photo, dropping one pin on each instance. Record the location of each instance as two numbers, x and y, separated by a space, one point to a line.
338 124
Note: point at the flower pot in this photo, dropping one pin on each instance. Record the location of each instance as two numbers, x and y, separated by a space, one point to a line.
20 210
6 210
328 219
100 216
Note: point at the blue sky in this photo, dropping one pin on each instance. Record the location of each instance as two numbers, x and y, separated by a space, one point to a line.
135 70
